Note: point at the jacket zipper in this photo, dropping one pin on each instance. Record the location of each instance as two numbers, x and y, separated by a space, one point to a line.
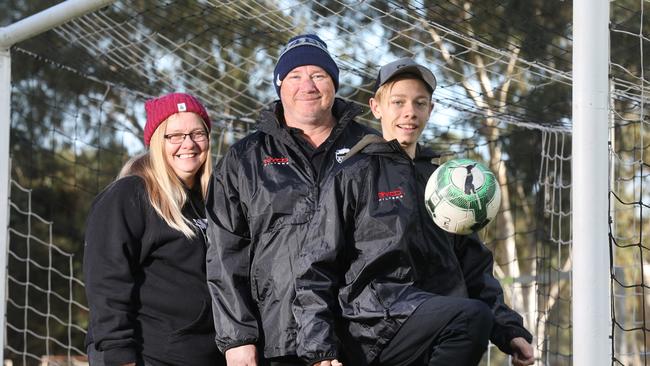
374 293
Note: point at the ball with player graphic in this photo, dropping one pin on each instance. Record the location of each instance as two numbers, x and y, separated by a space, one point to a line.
462 196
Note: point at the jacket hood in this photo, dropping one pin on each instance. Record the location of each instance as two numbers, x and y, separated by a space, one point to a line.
376 145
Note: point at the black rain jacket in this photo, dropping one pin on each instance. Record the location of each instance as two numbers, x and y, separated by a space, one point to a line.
262 194
373 255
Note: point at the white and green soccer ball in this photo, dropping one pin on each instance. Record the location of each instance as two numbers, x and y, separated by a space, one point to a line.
462 196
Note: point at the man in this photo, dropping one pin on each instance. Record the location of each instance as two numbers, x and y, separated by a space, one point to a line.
263 193
410 293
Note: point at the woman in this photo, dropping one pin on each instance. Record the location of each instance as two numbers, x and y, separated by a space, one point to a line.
144 259
410 294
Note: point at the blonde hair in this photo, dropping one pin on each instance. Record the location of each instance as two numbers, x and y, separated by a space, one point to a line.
166 191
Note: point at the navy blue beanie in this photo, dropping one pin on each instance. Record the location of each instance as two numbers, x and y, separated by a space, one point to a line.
306 49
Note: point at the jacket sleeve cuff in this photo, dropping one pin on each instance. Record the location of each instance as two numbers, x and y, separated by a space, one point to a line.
503 343
119 356
238 344
317 359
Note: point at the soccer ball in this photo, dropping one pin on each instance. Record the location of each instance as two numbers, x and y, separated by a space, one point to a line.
462 196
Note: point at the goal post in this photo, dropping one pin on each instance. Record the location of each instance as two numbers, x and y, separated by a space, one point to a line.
5 130
591 311
9 35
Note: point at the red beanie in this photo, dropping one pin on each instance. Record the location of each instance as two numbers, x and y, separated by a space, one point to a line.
159 109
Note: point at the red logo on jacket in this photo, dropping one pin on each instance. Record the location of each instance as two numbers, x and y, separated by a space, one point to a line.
275 161
391 195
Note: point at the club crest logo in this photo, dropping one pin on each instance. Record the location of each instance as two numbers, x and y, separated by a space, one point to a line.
340 154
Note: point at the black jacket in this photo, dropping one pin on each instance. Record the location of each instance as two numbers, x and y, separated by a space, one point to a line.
262 194
375 255
145 282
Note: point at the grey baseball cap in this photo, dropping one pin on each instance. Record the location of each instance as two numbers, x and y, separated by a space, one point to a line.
405 65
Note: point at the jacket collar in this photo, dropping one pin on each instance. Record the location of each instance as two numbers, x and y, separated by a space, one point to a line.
271 119
425 153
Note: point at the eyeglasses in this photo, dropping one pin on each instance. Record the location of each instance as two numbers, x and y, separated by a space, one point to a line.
178 138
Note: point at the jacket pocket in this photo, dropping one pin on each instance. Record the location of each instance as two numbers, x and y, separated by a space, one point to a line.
192 349
384 308
202 324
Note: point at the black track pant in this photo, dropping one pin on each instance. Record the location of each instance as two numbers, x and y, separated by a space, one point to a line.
441 331
96 358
